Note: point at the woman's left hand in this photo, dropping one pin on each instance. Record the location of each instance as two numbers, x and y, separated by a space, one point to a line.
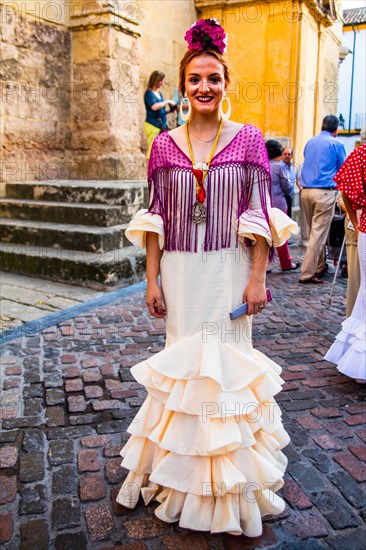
255 295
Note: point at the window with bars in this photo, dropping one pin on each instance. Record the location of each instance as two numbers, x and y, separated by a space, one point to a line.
329 7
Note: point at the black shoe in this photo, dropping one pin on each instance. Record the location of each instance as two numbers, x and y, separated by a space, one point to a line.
313 279
296 266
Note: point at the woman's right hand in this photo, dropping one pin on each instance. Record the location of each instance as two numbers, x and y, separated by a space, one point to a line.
155 300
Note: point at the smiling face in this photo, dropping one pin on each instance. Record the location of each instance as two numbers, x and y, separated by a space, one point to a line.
204 83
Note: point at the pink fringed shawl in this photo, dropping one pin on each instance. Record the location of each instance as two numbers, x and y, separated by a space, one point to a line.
234 171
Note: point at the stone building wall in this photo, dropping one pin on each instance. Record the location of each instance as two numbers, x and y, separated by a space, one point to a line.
105 122
72 80
73 77
35 111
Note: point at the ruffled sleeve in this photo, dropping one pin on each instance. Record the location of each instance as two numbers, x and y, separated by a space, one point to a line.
281 227
276 233
143 222
251 223
276 230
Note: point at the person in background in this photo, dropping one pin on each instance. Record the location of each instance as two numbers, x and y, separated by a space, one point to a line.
353 264
155 108
177 98
323 156
349 349
280 187
286 161
305 230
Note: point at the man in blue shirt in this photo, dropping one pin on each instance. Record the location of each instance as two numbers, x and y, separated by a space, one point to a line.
323 156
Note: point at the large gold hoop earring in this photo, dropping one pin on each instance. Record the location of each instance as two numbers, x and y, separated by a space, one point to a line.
185 115
225 116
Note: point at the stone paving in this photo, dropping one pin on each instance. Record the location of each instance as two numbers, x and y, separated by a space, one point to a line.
25 299
68 397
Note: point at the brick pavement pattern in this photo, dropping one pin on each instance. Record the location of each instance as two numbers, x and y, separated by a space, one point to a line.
68 397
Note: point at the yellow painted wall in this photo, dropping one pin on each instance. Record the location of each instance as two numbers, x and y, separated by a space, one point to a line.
357 26
308 59
318 77
163 26
273 55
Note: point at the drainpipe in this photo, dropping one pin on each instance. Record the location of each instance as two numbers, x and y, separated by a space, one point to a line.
352 79
316 91
295 137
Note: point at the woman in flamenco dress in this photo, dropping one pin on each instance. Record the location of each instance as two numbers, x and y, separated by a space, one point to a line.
206 443
348 351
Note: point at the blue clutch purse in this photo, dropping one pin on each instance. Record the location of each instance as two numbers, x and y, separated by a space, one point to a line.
243 308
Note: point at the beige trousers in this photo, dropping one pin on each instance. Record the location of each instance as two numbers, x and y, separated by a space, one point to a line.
353 284
305 229
317 207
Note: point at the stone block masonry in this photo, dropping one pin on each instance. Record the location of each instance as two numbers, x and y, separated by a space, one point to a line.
72 231
69 98
70 103
35 90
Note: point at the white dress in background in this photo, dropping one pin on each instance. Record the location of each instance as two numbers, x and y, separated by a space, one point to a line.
349 349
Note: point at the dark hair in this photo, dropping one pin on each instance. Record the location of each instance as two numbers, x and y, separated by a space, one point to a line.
155 77
330 123
274 148
191 54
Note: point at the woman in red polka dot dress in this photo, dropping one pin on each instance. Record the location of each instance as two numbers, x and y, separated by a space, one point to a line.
206 443
349 348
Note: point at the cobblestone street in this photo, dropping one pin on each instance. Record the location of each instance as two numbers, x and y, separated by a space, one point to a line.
68 397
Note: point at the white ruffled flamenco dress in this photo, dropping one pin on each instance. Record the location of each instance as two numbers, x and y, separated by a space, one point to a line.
206 443
349 349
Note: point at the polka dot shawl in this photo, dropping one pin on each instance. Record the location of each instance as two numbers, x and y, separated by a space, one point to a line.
351 180
234 171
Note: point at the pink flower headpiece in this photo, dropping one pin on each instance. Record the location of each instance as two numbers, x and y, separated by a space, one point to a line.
204 34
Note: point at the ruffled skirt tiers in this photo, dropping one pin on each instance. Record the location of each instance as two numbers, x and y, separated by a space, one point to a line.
206 443
349 349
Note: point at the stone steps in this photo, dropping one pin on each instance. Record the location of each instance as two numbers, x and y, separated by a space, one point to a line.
72 231
50 211
77 237
114 268
124 193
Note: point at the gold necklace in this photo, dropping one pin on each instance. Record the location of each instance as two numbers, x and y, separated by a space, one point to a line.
204 140
200 172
